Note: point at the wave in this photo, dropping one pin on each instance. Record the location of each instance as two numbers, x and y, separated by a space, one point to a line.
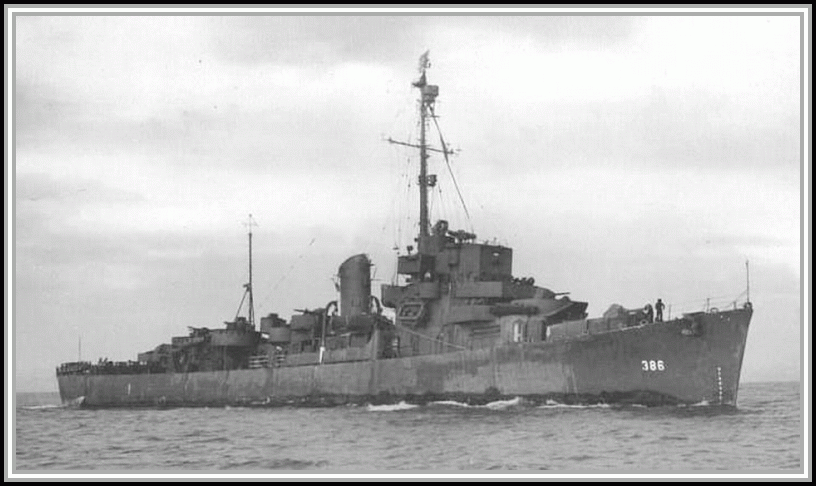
391 408
76 402
450 403
704 403
554 404
43 407
497 405
501 404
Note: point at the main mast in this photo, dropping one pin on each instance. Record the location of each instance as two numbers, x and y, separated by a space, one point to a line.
428 95
251 310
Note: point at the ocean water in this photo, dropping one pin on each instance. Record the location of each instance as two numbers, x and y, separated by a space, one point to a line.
763 434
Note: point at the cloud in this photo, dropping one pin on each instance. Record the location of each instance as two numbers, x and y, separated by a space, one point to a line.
309 40
319 41
35 187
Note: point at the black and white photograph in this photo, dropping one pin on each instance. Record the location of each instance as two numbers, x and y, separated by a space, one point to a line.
481 242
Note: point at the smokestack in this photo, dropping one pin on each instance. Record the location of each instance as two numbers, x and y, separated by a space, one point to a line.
355 286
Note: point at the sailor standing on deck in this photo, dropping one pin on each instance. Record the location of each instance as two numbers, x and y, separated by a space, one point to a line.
649 313
659 310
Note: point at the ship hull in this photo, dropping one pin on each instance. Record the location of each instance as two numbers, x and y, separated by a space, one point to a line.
654 364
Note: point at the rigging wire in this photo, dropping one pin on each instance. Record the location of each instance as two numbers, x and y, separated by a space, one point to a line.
402 184
712 298
430 205
450 170
241 305
721 301
443 209
285 276
406 215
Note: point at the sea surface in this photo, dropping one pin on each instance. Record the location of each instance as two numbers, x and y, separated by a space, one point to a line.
763 434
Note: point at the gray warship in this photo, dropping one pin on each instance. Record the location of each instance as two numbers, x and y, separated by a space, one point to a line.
461 327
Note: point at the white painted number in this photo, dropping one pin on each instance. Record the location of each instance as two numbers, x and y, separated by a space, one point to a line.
653 365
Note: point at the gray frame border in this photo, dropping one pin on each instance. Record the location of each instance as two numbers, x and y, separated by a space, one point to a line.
510 10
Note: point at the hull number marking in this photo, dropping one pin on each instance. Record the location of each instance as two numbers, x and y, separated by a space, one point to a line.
652 365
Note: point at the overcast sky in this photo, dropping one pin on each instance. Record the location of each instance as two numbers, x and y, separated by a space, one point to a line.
623 158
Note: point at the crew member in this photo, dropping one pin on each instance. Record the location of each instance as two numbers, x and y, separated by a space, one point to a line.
659 305
649 313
